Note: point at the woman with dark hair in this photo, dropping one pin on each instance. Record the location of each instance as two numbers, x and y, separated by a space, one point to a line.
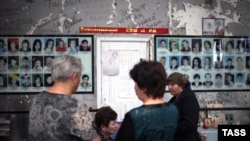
154 120
229 79
37 46
37 81
105 123
240 47
185 46
207 63
229 47
49 46
185 63
208 46
25 46
196 45
173 46
48 80
187 104
196 63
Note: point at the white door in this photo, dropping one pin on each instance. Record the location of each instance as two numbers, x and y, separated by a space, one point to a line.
115 58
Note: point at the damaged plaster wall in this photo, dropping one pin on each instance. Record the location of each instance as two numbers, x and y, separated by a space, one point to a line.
66 16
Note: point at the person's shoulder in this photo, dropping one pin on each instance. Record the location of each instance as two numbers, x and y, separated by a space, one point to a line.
188 93
170 105
136 110
40 95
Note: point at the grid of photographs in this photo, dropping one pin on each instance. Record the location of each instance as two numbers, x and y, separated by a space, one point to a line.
210 63
25 61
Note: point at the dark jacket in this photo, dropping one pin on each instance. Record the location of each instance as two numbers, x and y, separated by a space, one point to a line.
188 107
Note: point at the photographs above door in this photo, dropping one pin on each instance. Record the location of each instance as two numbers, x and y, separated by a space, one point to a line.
25 61
211 63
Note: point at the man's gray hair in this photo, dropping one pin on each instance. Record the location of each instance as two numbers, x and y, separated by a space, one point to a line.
64 66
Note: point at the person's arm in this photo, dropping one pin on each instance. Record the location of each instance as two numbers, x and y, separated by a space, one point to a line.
189 110
126 131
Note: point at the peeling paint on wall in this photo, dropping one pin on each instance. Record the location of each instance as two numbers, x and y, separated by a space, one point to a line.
191 18
39 22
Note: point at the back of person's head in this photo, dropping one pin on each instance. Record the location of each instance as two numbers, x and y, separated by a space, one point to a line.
64 66
151 76
103 116
179 79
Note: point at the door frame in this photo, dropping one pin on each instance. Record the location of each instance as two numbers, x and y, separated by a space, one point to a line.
149 56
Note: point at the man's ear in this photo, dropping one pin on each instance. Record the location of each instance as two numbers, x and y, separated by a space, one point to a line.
74 78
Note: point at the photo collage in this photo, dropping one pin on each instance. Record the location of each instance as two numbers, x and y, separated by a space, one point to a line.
210 63
25 61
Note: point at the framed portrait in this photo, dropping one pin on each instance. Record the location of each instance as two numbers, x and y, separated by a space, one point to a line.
210 63
213 26
25 61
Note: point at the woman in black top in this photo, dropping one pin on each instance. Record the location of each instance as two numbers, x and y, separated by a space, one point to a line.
187 104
